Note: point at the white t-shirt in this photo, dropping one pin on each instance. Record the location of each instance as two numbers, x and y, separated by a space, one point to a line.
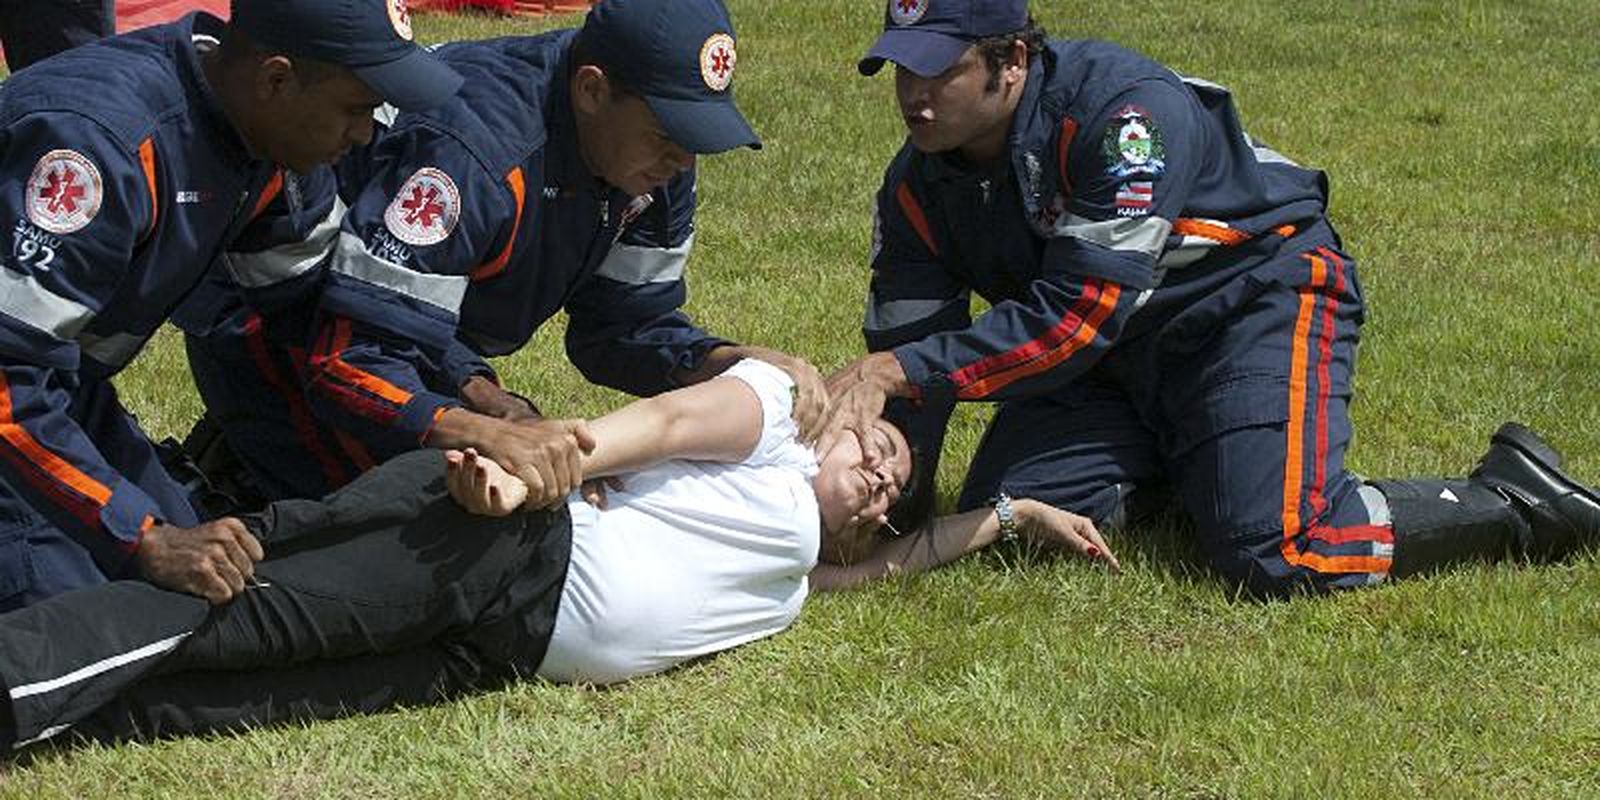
691 557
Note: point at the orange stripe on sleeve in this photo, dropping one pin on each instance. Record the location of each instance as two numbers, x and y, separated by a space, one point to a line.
57 467
147 160
1081 338
1058 333
268 193
361 379
913 211
498 265
1187 226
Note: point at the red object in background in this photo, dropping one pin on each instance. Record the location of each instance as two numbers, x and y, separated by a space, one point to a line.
501 6
525 8
132 14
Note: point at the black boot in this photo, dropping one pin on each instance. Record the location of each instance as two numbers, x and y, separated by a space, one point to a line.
1562 514
1443 523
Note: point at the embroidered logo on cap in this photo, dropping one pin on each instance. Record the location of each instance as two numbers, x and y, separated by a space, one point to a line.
64 191
717 59
425 209
400 16
907 12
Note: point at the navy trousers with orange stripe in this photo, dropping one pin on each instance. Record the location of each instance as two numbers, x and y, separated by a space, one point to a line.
253 386
39 557
1232 387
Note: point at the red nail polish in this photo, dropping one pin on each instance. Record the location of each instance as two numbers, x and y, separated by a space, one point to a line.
1094 552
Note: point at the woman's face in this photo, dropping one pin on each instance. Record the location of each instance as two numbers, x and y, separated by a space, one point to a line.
852 490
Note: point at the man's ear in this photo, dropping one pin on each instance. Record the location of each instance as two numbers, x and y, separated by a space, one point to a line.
1016 67
590 89
274 79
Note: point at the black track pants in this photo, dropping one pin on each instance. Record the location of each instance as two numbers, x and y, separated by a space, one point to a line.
385 592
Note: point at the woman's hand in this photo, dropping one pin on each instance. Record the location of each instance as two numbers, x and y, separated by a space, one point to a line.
481 486
1048 525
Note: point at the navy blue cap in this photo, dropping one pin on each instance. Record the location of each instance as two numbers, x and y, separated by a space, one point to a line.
928 36
678 54
370 37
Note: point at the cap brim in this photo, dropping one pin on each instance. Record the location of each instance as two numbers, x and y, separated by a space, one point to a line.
703 126
924 52
414 82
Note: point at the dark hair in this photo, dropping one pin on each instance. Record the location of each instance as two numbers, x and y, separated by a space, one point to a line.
996 50
237 49
583 55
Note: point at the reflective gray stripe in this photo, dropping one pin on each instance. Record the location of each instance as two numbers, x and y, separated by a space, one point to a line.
893 314
114 351
103 665
1144 235
278 264
1201 82
1192 249
26 300
629 263
1377 505
350 257
385 115
877 236
48 733
1267 155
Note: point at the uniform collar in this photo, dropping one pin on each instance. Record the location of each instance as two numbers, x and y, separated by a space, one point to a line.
1031 129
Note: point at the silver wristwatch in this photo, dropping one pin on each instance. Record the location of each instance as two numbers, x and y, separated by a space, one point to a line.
1007 515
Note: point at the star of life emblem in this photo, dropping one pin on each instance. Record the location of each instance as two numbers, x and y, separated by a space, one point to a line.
64 191
400 17
717 60
425 209
907 12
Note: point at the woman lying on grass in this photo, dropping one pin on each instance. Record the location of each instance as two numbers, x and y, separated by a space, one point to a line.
422 579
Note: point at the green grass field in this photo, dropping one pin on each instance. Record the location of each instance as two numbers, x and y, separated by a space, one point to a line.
1463 141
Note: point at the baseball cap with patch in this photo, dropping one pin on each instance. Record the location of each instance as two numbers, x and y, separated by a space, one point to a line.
372 38
678 54
928 36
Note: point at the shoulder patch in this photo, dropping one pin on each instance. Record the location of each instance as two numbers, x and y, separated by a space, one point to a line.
425 209
64 191
1132 144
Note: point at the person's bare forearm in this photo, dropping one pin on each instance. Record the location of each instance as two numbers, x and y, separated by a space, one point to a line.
719 420
940 542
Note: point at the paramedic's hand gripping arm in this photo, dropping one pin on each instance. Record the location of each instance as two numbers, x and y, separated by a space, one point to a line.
951 537
811 404
545 455
718 420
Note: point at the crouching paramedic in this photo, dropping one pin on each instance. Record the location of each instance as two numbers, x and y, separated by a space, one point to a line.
562 177
126 166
